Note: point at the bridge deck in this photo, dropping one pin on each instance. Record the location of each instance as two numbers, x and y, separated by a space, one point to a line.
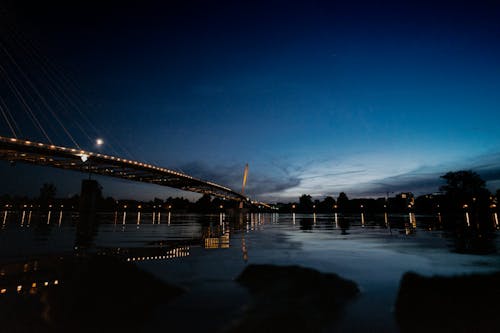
17 150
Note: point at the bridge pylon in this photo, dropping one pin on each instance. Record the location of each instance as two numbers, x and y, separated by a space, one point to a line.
245 176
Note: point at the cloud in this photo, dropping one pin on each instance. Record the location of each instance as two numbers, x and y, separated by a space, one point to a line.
427 179
376 175
360 176
409 182
259 184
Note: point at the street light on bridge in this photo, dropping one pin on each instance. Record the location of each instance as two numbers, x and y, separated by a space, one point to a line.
85 158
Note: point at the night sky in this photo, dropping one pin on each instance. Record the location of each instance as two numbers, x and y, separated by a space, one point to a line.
318 97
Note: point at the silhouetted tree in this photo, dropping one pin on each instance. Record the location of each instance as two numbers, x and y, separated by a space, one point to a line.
305 203
400 202
343 202
157 202
285 207
204 203
425 204
463 187
108 204
326 206
5 199
465 190
47 193
463 183
178 204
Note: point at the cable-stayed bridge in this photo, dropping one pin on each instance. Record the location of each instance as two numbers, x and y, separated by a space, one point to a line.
41 106
17 150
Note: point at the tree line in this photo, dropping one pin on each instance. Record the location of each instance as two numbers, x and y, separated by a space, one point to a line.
462 191
48 199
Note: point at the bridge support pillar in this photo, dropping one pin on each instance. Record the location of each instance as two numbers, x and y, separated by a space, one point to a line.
88 196
88 207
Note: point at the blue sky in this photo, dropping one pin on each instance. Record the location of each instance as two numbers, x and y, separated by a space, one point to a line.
317 96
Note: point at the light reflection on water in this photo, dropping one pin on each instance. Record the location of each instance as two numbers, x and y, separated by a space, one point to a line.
206 253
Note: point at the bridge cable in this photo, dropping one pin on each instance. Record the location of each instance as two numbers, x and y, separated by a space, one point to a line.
29 98
72 88
24 104
7 121
37 92
71 85
53 88
11 117
68 89
54 74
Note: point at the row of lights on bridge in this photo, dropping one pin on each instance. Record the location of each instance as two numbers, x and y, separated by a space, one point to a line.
99 142
84 156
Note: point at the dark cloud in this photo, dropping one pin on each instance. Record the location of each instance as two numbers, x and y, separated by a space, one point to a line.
232 176
424 180
269 186
336 174
410 182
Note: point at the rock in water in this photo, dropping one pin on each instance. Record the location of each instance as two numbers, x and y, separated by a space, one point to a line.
291 298
466 303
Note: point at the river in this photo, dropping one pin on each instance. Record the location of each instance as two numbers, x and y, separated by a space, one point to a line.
205 253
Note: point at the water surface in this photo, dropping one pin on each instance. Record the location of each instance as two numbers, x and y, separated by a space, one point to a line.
205 253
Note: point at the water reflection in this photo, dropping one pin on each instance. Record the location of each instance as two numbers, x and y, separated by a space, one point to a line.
218 238
86 230
306 223
143 254
25 217
472 242
413 220
344 225
30 275
78 294
244 249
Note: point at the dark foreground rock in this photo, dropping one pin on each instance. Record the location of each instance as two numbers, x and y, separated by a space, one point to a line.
468 303
291 298
94 294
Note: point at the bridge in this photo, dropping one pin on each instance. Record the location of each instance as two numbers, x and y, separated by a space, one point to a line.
37 97
17 150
